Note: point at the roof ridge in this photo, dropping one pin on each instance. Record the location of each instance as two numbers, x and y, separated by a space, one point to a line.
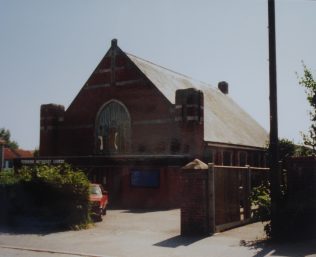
172 71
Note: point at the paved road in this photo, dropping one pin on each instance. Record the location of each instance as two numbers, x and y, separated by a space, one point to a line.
143 234
21 252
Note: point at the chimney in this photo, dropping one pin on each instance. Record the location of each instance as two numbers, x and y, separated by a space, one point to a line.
114 42
223 87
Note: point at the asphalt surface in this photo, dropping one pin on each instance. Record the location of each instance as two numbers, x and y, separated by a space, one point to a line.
125 233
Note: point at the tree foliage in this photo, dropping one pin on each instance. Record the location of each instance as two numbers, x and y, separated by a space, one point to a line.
288 148
308 82
7 177
288 217
261 200
6 136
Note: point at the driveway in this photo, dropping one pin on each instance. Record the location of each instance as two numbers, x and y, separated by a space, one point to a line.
126 233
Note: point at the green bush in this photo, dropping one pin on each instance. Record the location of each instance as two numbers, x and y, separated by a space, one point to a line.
261 200
295 215
54 193
7 178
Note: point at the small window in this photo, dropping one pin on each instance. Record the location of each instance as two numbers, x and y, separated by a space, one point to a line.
209 155
218 157
227 158
145 178
257 159
243 158
6 164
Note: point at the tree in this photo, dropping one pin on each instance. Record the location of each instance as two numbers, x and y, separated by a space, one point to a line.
286 149
6 136
309 83
261 195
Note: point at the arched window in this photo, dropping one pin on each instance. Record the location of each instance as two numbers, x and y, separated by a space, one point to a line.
113 126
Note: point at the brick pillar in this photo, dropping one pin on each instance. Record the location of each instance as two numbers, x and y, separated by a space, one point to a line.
1 154
197 203
52 116
189 115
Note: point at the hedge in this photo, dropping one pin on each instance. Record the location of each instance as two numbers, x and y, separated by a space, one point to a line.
57 194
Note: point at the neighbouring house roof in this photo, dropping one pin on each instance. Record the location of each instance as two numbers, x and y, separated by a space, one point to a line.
224 120
10 154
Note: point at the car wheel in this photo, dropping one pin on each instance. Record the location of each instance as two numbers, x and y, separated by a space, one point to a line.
99 217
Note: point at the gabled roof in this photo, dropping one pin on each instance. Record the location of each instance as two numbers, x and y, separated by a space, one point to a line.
224 120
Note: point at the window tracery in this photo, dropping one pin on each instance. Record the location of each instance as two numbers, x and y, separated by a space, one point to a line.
113 128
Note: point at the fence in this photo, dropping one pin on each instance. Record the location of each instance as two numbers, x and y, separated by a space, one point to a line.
300 205
217 198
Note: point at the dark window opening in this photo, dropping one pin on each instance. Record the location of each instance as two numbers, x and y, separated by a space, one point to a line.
227 158
243 158
208 156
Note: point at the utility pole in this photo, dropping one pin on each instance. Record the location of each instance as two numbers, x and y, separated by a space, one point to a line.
274 141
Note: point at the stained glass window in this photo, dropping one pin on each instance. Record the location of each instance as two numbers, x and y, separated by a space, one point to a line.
113 128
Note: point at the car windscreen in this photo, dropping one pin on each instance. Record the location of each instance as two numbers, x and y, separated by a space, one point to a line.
95 190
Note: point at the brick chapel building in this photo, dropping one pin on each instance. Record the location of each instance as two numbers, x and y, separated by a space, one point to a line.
134 124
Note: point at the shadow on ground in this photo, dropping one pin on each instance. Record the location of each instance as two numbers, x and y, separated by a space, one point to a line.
30 225
301 248
142 210
179 240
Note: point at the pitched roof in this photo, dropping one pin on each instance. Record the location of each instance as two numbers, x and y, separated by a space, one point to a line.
10 154
224 120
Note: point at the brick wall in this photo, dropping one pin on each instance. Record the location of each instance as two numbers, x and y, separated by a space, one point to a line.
153 124
164 196
124 195
195 211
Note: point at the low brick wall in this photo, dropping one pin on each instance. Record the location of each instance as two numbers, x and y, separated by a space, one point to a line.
195 209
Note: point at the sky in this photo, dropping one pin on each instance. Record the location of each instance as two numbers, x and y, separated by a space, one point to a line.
48 49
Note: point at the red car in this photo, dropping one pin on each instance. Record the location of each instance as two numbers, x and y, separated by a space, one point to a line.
99 200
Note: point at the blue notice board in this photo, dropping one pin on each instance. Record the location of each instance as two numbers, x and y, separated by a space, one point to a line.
145 178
